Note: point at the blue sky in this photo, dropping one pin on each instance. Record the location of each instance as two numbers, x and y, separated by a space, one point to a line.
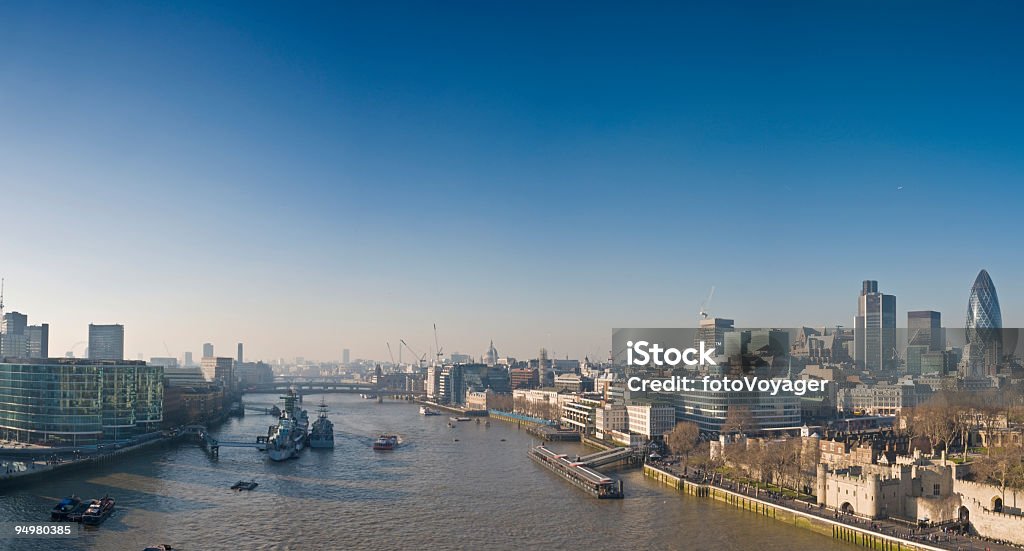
310 177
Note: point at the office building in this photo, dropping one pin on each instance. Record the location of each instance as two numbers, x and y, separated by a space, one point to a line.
207 350
70 401
188 359
345 357
220 369
924 328
239 359
875 329
713 330
13 338
37 341
106 342
984 329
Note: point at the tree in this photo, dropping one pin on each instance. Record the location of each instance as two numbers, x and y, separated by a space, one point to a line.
738 420
1003 467
683 440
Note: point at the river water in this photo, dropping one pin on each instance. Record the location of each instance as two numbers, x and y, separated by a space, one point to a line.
433 492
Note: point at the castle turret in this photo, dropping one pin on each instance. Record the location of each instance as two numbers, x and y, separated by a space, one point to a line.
874 489
820 489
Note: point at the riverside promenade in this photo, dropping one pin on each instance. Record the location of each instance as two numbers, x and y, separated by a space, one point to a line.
883 535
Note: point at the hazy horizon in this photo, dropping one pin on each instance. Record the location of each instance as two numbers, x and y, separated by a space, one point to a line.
304 180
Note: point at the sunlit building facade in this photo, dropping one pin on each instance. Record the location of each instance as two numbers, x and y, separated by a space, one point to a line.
78 402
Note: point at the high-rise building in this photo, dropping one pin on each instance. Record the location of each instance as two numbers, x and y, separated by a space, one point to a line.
106 342
345 357
875 329
222 369
13 340
207 350
188 359
924 328
37 341
984 328
712 331
239 353
13 323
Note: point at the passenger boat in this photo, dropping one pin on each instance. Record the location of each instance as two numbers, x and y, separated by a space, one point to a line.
385 442
66 506
99 510
368 396
424 410
161 547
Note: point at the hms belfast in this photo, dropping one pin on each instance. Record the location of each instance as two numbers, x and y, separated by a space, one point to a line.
291 433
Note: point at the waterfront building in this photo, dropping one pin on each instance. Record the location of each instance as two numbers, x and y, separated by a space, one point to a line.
70 401
610 417
479 400
579 414
253 373
106 342
651 420
984 326
220 369
875 329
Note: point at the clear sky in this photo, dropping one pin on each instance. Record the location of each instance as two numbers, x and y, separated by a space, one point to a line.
306 178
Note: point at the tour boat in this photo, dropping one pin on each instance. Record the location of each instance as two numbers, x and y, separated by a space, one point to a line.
385 442
98 511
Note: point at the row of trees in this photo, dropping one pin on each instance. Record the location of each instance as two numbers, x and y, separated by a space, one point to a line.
787 463
950 417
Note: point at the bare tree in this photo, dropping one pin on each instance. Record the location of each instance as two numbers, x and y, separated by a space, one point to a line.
1003 467
683 440
739 420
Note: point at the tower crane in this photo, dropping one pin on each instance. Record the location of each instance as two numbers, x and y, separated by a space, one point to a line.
415 354
706 304
440 351
390 354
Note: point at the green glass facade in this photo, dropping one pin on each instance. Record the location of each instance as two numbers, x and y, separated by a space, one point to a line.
78 402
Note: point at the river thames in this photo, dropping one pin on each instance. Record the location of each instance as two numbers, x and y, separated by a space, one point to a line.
468 487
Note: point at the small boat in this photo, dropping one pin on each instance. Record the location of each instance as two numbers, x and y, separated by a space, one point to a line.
99 510
424 410
460 418
243 485
450 425
66 506
368 396
161 547
385 442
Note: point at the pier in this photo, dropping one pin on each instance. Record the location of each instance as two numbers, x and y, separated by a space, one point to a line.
579 473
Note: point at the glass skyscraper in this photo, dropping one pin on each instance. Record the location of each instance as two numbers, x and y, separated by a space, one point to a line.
875 329
78 402
984 327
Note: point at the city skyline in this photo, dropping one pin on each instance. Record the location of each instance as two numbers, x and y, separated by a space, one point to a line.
903 320
346 176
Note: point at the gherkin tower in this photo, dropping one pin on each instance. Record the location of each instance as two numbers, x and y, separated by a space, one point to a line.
984 327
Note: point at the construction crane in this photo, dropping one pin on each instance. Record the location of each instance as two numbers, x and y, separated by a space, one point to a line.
706 304
392 355
415 354
440 351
